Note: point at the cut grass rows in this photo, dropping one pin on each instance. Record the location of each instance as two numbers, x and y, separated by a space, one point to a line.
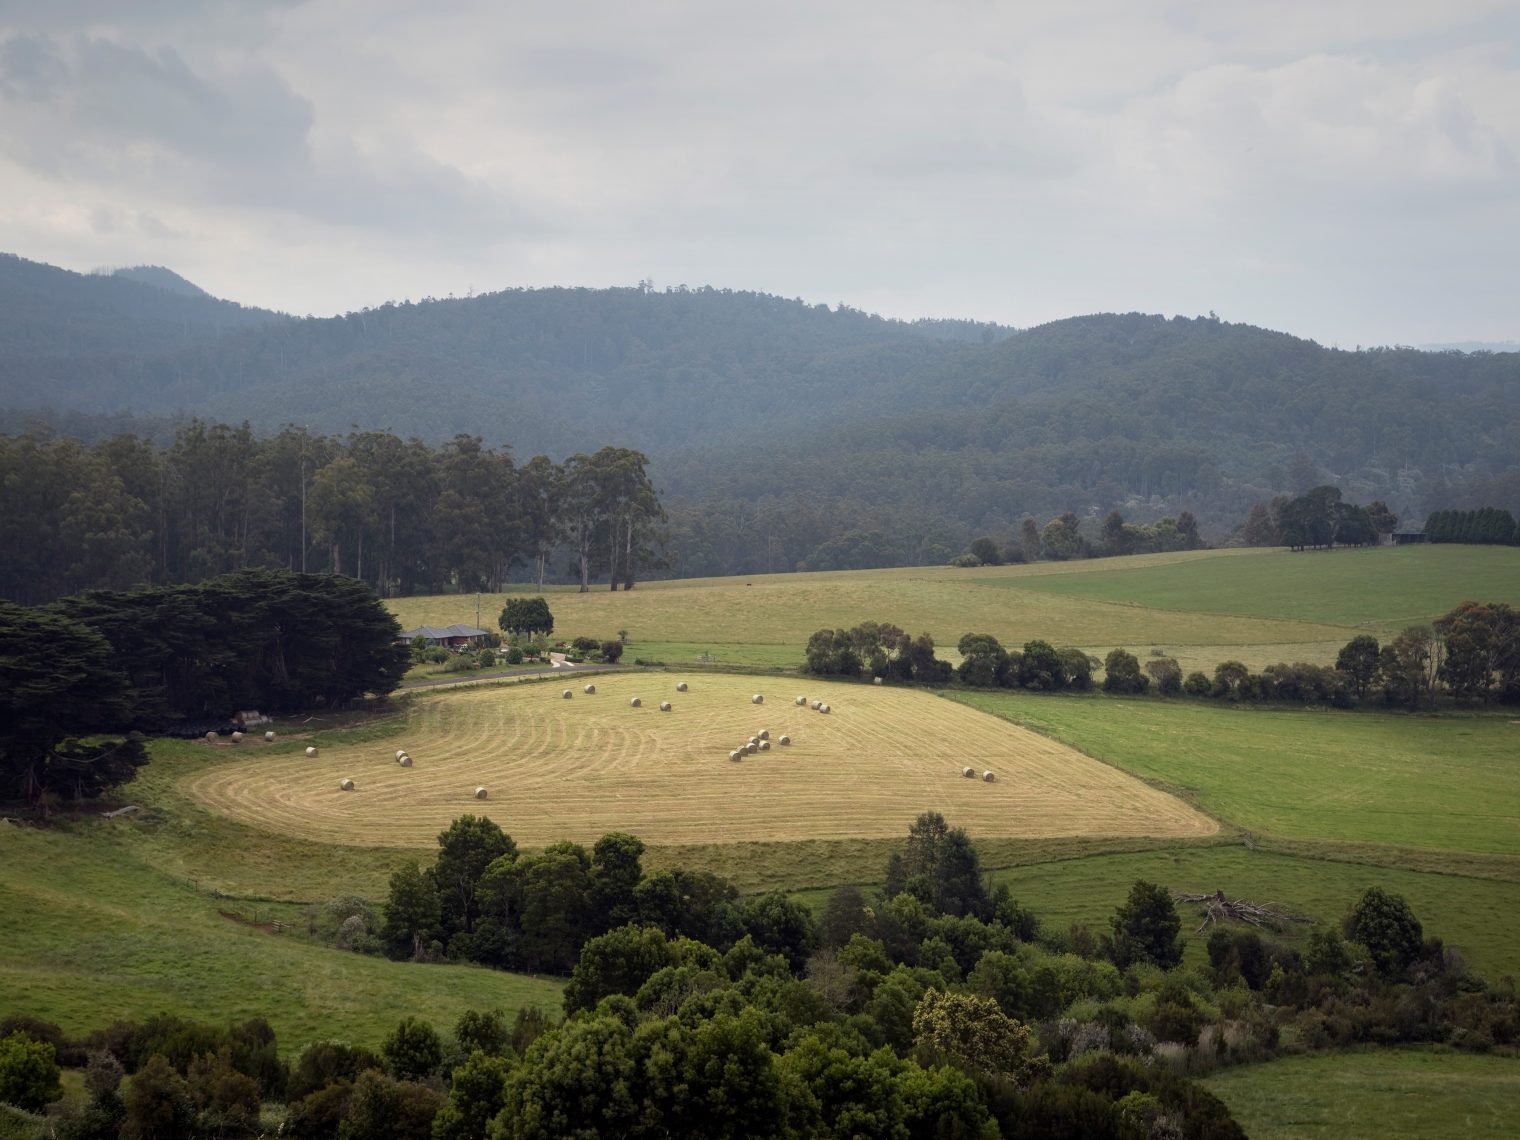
578 768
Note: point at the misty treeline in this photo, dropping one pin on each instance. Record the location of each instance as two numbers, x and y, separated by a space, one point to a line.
399 514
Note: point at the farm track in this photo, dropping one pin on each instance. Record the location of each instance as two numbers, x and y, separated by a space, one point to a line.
576 769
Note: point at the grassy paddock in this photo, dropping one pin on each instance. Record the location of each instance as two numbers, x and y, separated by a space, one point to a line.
1384 588
1448 782
1374 1094
93 934
578 768
767 619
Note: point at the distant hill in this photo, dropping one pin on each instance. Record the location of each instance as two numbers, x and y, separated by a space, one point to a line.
923 431
159 277
1474 346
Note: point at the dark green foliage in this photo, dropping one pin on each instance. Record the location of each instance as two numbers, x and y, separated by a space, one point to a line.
465 850
984 661
1121 673
226 1101
1487 525
1387 927
844 915
380 1108
1358 659
612 652
526 617
986 551
1041 668
324 1063
618 962
413 1051
412 913
477 1092
780 925
1146 927
157 1101
28 1073
1166 673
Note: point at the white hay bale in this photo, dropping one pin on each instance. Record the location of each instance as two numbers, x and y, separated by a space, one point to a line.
269 736
735 755
764 734
784 740
635 703
590 688
312 752
969 773
753 740
877 681
405 761
400 752
757 699
345 785
210 738
567 694
988 777
765 746
752 748
664 706
800 701
480 793
237 738
681 686
815 705
824 709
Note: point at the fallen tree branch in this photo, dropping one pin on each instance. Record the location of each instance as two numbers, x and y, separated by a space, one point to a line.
1217 908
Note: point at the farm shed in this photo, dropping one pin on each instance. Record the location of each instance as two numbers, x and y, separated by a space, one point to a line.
448 636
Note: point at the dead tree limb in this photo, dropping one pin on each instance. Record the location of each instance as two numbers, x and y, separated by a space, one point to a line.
1217 908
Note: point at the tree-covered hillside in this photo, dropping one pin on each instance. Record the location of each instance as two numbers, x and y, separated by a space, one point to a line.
776 428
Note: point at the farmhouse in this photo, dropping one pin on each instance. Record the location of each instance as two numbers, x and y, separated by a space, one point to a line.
448 636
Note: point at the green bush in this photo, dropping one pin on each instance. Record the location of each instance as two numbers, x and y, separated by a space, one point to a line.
28 1073
514 655
487 658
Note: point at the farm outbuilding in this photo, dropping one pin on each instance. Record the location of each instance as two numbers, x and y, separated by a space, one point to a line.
448 636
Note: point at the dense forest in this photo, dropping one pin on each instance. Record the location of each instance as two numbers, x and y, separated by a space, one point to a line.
781 432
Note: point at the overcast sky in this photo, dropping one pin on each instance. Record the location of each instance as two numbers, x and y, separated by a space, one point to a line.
1344 171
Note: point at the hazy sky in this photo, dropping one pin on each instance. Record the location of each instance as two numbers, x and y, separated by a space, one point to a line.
1348 171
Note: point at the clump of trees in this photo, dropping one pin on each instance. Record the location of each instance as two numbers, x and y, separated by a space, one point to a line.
1484 526
1317 519
878 648
1062 540
82 679
403 515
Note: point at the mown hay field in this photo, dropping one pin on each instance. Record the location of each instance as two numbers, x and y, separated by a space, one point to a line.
577 768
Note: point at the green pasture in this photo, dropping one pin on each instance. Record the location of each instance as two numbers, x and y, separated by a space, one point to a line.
1380 588
94 934
1448 783
1374 1094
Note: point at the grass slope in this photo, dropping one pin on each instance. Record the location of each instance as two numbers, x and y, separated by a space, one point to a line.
767 619
1373 1095
1382 588
557 768
93 934
1448 783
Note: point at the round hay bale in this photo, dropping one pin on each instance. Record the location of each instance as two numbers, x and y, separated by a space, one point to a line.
764 734
988 777
312 751
752 748
345 785
400 752
664 706
237 738
680 686
269 736
590 688
824 709
567 694
735 755
757 699
784 740
753 740
480 793
635 703
969 773
765 746
800 701
210 738
405 761
876 681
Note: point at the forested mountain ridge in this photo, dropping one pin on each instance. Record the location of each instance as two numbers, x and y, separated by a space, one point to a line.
779 429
